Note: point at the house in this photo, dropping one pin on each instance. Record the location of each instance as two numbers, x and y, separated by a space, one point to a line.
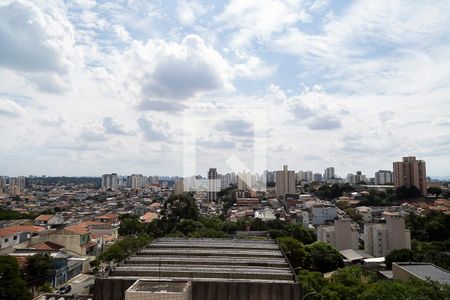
108 218
148 217
14 235
49 220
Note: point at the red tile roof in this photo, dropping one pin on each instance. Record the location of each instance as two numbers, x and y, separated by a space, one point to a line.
46 246
19 228
43 218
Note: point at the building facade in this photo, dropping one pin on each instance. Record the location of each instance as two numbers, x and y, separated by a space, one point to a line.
285 182
383 177
411 172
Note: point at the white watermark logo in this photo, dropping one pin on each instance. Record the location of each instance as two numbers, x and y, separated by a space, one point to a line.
250 123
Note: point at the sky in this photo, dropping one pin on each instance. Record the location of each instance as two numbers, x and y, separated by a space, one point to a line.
92 87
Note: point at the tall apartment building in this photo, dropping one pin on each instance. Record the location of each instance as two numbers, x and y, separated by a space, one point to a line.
213 185
178 187
411 172
356 178
16 185
136 181
317 177
2 184
329 173
384 177
305 176
381 239
341 235
285 182
110 181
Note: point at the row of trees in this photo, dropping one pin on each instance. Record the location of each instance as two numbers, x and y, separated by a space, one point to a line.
16 283
354 283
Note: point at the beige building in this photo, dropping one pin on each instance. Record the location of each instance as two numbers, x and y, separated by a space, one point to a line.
381 239
285 182
16 185
341 235
178 187
411 172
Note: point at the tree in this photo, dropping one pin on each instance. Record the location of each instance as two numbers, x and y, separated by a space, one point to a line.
12 286
130 226
434 191
346 283
412 289
323 257
311 281
294 250
39 269
399 255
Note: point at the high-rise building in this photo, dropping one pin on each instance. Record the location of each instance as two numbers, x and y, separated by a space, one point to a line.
356 178
317 177
110 181
285 182
178 187
329 173
136 181
16 185
2 184
383 177
213 185
381 239
411 172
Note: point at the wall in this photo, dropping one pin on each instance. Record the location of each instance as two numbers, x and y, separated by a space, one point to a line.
114 289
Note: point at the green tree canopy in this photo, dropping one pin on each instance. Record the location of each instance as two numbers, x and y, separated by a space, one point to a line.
39 269
323 257
12 286
294 250
399 255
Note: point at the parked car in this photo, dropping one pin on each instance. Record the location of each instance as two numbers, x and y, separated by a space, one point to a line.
64 289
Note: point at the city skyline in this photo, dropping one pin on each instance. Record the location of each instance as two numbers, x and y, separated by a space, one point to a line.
89 88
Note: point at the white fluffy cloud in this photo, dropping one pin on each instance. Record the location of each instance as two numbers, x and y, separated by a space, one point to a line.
166 71
34 39
9 108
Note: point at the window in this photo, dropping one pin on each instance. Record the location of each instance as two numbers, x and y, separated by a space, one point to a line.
6 240
15 237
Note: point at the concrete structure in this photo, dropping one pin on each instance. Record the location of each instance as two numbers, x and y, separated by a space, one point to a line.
14 235
329 173
219 269
16 185
365 212
213 185
322 213
424 271
317 177
381 239
285 182
383 177
49 220
265 214
110 181
178 187
136 181
341 235
411 172
157 290
2 184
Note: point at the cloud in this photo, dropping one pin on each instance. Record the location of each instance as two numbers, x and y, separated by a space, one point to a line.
153 130
251 20
386 116
189 11
253 68
324 122
52 121
34 39
236 128
161 71
10 109
111 126
160 105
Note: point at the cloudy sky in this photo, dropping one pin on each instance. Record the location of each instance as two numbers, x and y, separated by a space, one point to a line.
90 87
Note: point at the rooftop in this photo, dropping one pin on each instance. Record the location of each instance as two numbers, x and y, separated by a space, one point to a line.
424 271
208 259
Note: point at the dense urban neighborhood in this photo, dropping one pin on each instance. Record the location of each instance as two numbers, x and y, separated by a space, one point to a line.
73 236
